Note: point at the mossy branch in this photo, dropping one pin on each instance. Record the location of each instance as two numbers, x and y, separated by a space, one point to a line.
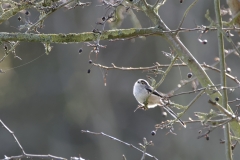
117 34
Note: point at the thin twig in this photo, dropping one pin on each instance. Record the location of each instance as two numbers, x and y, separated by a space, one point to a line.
219 28
215 121
215 69
213 128
155 66
144 146
185 13
11 132
166 72
162 79
113 138
235 100
32 26
225 111
124 157
24 154
188 106
33 156
235 138
193 101
156 4
188 92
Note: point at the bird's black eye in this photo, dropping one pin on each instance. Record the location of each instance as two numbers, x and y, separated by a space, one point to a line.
142 82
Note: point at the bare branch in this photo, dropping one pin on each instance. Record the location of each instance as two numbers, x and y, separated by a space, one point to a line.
218 70
213 128
113 138
32 27
185 13
24 154
11 132
33 156
155 66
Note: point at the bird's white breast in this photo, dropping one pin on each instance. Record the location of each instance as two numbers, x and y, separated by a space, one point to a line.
140 93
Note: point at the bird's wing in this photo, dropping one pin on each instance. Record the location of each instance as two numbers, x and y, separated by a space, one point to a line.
150 90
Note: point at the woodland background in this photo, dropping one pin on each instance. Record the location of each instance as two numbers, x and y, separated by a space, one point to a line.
49 101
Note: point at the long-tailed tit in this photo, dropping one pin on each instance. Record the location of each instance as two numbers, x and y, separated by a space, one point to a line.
142 90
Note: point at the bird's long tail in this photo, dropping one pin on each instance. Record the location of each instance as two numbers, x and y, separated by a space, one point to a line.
174 115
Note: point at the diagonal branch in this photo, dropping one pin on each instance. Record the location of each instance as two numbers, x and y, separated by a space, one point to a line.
190 60
20 146
24 154
186 12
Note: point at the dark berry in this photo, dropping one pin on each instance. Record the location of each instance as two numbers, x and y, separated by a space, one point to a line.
88 71
216 99
80 50
153 133
5 47
27 13
19 18
103 18
189 75
207 137
90 61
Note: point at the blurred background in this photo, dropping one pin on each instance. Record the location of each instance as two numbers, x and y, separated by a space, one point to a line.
47 102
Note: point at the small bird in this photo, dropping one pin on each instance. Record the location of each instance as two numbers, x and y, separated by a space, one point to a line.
142 90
